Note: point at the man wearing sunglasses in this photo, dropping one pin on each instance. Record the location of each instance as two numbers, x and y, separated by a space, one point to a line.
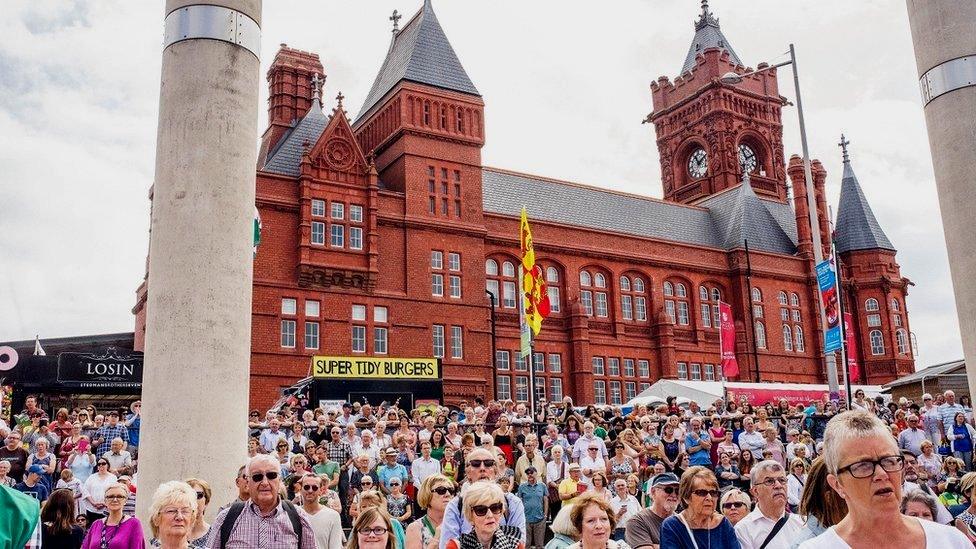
325 522
266 520
770 524
479 464
643 531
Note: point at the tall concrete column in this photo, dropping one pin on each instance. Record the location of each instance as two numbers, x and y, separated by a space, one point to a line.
198 325
944 34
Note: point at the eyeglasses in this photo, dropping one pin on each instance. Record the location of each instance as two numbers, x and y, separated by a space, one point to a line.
773 481
668 489
258 477
374 531
480 462
100 463
392 484
366 483
185 511
482 510
866 468
201 495
310 488
702 493
116 496
733 505
441 490
593 449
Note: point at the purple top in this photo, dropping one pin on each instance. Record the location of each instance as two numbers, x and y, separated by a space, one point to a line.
127 535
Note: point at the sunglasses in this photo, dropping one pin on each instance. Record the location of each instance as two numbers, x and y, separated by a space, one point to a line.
392 484
734 505
258 477
100 463
201 495
370 483
310 488
482 510
668 489
480 462
702 493
116 496
441 490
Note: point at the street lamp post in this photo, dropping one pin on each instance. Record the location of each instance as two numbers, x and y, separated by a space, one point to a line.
734 78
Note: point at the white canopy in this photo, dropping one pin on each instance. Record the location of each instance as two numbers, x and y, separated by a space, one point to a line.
705 393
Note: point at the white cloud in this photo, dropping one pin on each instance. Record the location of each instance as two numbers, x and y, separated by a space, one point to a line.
565 86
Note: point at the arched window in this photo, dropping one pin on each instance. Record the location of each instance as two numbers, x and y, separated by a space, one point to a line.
552 285
757 307
782 298
586 294
677 303
757 295
600 298
901 338
877 343
585 278
599 280
502 287
895 306
871 304
633 303
593 294
798 341
787 337
794 300
710 315
760 335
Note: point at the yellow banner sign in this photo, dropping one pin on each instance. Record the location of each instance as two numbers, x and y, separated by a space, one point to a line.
357 367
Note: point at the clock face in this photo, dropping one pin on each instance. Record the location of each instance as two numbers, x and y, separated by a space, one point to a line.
747 159
698 164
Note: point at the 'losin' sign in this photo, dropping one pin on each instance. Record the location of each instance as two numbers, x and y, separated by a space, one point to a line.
111 367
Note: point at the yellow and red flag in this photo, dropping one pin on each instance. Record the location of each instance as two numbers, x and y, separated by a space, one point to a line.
534 290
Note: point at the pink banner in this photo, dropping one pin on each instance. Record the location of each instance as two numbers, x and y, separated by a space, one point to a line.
759 397
730 367
852 368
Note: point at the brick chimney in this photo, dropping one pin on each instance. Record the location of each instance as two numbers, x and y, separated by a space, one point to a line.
289 93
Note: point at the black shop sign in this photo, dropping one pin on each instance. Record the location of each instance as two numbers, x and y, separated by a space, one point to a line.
111 367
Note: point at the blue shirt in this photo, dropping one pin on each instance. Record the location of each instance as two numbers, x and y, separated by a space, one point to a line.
133 429
39 491
454 523
674 535
385 472
533 497
107 433
700 456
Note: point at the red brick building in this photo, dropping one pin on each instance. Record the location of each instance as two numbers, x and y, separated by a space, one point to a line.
382 233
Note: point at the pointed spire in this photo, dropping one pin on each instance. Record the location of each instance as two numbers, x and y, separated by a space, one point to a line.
396 21
317 83
857 227
420 52
708 34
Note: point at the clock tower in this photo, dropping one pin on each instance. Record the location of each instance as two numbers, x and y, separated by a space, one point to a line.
710 134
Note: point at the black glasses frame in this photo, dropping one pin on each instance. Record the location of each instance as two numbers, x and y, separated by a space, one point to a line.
890 464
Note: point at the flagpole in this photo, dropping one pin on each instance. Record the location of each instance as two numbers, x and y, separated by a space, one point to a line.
843 328
523 328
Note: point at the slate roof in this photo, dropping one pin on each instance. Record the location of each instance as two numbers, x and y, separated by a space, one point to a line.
421 53
286 156
717 222
707 35
928 373
857 228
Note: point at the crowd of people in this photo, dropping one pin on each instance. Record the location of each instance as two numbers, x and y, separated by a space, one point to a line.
491 476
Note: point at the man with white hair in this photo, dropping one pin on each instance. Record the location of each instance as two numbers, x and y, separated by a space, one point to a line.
478 465
585 441
770 525
643 531
266 520
751 440
368 446
911 439
947 412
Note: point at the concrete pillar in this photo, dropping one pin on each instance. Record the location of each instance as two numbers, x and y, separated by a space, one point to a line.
944 34
198 327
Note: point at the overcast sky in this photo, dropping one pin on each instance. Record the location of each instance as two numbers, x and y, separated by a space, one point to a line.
565 86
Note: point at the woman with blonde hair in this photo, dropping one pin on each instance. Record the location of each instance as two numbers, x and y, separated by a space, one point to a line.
172 514
373 529
795 480
735 504
117 530
564 533
200 529
435 494
484 506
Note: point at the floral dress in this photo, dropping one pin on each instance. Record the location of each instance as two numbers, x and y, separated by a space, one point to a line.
397 506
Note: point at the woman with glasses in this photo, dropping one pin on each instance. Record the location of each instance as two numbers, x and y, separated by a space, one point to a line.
735 505
621 466
172 514
484 507
58 516
435 494
699 525
93 491
865 468
795 481
397 502
200 529
115 530
373 529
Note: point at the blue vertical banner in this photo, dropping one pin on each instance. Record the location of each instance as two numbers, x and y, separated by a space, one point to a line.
827 282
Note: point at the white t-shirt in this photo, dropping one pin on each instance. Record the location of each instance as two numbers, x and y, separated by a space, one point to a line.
327 526
937 536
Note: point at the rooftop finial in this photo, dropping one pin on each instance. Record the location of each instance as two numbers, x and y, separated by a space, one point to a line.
317 83
843 147
396 21
339 99
706 17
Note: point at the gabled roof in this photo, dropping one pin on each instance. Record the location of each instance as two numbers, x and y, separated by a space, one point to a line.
421 53
740 216
930 372
708 224
707 35
857 228
286 157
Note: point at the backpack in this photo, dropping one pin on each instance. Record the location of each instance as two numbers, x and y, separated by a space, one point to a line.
235 510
